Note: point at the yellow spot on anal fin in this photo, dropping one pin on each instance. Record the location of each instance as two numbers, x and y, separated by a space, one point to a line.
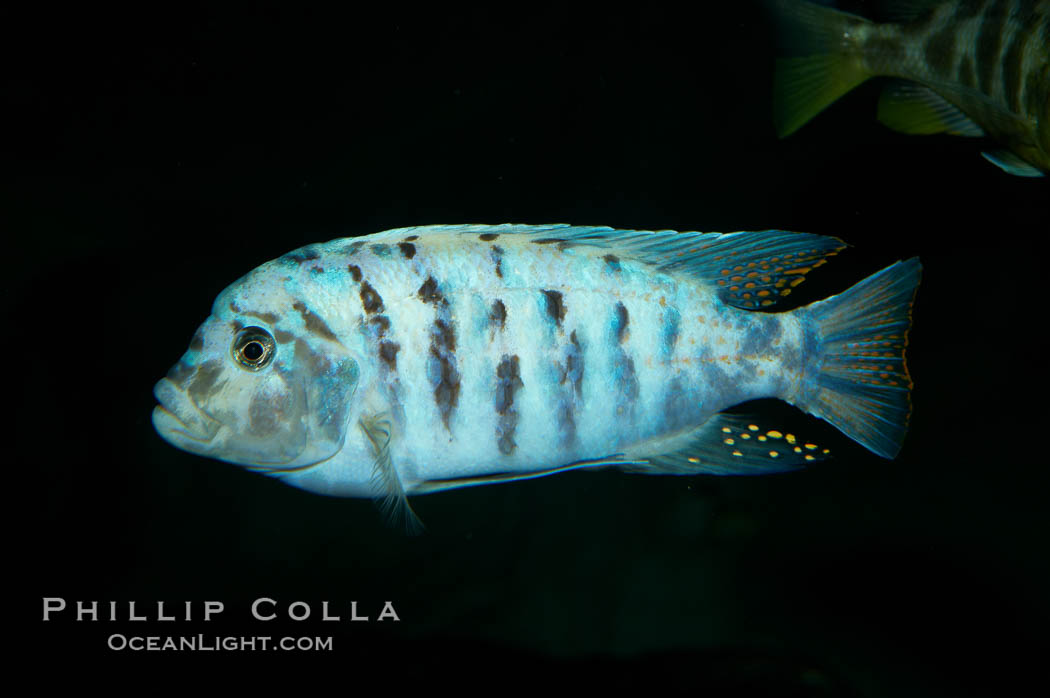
774 434
730 442
737 453
726 430
774 454
693 460
790 438
752 427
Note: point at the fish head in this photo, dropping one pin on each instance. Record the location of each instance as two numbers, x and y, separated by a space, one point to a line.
260 385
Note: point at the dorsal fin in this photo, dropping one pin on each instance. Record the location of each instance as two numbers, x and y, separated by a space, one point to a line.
748 269
905 11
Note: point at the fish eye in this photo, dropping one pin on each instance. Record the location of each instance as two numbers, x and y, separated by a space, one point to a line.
253 348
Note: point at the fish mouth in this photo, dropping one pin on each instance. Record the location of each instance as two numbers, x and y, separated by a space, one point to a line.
179 420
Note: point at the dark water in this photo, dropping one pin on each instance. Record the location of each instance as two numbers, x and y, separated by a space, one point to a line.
157 156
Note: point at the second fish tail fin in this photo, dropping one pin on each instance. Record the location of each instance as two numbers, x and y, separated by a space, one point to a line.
856 377
821 63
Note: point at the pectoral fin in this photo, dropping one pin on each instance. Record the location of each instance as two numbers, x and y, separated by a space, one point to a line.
394 505
1012 164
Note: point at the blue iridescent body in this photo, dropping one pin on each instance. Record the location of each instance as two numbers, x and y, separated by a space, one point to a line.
422 359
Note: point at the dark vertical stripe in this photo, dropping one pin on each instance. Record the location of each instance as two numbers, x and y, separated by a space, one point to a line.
441 365
498 314
380 324
444 373
1037 96
1012 66
939 50
497 259
376 328
623 373
555 306
388 353
370 299
508 382
574 364
314 323
967 75
429 293
989 43
620 322
570 376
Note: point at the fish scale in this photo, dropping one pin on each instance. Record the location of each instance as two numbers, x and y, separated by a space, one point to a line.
423 359
542 345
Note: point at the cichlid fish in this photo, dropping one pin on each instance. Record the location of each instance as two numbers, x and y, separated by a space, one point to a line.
968 67
424 359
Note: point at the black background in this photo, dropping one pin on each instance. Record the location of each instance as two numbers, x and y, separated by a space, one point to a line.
154 156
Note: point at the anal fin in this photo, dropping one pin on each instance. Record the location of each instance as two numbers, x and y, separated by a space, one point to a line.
907 107
733 444
613 460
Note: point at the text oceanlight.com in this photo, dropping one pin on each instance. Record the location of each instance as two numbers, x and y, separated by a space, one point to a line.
215 643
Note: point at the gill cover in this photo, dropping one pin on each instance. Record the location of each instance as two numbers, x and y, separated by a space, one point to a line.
245 398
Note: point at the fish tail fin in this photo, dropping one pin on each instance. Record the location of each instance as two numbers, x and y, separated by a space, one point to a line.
856 377
823 63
